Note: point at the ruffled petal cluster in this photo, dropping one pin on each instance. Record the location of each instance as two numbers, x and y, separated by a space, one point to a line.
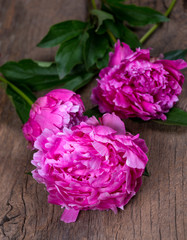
93 165
134 85
57 109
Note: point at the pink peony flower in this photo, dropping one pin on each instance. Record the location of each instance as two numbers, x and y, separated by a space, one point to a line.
57 109
90 166
133 85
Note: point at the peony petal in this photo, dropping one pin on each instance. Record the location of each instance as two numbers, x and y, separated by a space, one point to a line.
69 215
177 64
120 53
133 160
141 143
92 121
104 130
64 94
57 109
113 121
90 166
42 139
121 100
100 148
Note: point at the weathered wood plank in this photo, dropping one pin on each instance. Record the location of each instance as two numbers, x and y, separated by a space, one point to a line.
159 209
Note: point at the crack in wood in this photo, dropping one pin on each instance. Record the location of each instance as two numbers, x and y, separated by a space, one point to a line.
3 232
24 219
7 219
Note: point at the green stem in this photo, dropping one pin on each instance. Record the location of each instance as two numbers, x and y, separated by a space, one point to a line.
18 91
170 8
148 33
111 35
94 4
151 30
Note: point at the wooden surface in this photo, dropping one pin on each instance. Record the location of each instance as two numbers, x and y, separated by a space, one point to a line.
158 211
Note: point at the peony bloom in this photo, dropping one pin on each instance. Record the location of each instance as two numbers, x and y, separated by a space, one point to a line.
94 165
57 109
133 85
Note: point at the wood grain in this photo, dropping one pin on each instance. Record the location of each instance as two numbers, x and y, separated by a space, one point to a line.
158 211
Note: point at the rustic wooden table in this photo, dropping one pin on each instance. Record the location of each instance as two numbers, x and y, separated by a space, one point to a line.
158 211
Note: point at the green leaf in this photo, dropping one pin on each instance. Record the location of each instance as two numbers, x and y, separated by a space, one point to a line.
62 32
34 77
123 33
93 112
95 48
43 64
79 81
129 37
70 54
175 116
28 173
31 74
101 16
176 54
103 62
113 27
137 16
146 173
22 107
